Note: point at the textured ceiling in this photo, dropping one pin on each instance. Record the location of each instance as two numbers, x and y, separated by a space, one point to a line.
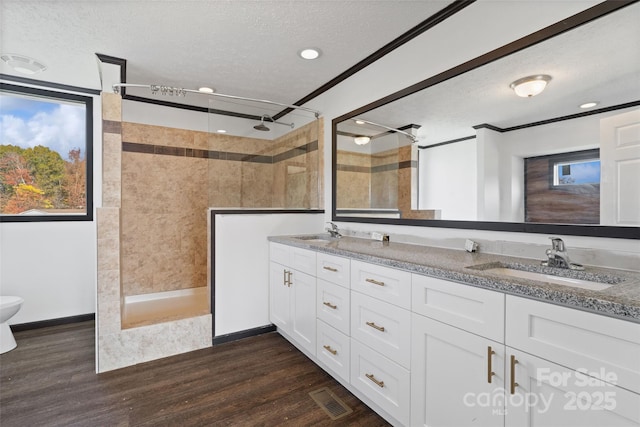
599 61
240 47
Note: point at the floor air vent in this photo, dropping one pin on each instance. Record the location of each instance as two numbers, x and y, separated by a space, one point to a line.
330 403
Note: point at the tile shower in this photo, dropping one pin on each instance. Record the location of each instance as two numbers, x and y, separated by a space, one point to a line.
158 184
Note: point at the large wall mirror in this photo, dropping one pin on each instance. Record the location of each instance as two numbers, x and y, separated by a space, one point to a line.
462 150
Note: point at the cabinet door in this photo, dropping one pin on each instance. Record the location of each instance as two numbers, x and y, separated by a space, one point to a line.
279 296
303 310
546 394
450 377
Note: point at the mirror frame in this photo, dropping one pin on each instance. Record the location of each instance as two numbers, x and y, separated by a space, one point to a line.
595 12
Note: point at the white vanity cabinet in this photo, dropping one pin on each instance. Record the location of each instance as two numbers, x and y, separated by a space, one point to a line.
457 375
570 367
424 351
292 294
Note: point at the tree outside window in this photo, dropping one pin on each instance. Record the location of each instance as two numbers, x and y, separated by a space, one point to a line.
45 155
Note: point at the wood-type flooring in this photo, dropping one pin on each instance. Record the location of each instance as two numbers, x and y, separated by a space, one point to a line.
50 380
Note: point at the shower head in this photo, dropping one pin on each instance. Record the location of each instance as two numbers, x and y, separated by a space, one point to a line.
262 126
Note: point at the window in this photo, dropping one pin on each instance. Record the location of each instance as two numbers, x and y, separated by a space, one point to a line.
576 172
45 155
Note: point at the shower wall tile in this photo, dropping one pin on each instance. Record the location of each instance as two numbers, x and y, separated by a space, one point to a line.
108 266
111 106
142 344
112 158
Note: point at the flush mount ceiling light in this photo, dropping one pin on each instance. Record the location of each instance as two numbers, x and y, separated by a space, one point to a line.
221 131
589 104
527 87
23 64
205 89
309 53
361 140
359 122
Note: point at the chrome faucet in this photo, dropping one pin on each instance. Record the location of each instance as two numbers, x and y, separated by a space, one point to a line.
558 257
333 230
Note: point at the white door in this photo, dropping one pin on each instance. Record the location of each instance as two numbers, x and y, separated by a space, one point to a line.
279 296
547 394
450 377
620 169
303 310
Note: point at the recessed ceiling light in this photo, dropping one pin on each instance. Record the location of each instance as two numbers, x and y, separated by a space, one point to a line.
205 89
23 64
221 131
589 104
359 122
309 53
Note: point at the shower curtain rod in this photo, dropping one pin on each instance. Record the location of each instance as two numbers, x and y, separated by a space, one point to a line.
172 90
407 134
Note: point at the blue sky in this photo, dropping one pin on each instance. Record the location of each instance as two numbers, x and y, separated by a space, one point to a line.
584 173
28 122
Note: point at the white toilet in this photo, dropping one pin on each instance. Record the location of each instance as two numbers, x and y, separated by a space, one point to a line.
9 306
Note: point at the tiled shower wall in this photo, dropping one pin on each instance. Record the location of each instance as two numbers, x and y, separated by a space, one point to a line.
171 176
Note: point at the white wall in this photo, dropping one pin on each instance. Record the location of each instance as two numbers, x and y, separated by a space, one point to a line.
447 180
52 265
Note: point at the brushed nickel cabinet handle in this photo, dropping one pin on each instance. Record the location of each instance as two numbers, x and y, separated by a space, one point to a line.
490 372
284 278
375 381
289 274
375 282
328 304
330 350
331 269
374 326
514 384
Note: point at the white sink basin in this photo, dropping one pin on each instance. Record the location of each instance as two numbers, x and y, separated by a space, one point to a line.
316 238
548 278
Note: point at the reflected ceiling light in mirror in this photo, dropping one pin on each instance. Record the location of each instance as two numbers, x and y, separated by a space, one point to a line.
205 89
309 53
589 104
361 140
529 86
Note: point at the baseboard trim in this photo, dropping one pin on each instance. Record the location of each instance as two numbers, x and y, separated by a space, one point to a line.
243 334
52 322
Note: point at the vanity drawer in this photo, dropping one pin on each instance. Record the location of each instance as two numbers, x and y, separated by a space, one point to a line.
472 309
333 350
303 260
387 284
384 382
576 339
299 259
333 305
382 326
333 269
279 253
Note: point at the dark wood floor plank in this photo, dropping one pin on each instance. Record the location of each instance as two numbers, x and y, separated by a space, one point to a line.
50 380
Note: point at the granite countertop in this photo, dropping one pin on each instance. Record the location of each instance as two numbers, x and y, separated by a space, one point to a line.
621 300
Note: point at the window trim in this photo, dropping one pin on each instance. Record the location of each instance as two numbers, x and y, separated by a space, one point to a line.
65 96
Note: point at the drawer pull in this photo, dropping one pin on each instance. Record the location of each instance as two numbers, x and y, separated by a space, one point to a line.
374 326
331 269
328 304
330 350
514 384
375 381
490 373
375 282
